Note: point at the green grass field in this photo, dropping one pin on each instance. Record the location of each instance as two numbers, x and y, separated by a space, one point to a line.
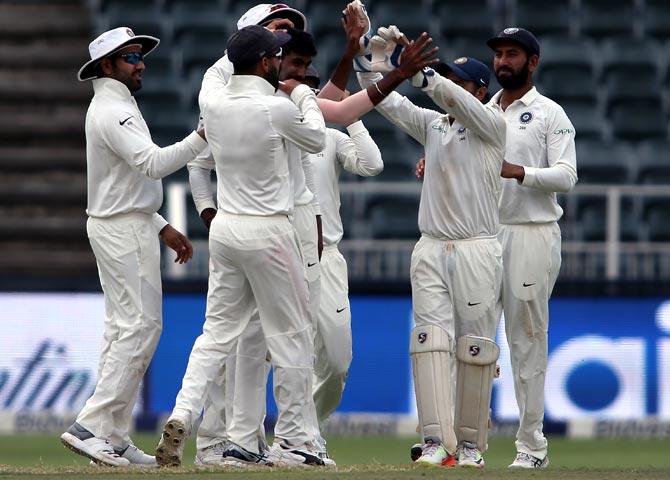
360 457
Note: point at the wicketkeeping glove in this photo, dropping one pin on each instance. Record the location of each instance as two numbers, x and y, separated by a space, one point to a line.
386 48
421 79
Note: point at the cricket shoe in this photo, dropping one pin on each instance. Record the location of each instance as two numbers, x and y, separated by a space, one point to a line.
434 454
83 442
136 457
327 461
284 456
415 452
170 448
469 456
527 461
238 456
212 455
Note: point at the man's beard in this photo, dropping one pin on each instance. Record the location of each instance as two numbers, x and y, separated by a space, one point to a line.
515 80
273 77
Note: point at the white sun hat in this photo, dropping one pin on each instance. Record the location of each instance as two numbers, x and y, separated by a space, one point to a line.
111 41
265 12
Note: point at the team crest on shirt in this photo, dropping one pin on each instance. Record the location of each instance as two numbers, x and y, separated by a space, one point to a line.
526 118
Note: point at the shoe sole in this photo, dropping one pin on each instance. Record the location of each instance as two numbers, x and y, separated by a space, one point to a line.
471 465
71 442
170 447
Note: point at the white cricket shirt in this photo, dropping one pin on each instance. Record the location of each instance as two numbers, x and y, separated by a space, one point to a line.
124 166
301 177
251 154
357 153
461 185
541 138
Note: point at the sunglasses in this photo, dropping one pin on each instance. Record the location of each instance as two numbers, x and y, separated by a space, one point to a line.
132 58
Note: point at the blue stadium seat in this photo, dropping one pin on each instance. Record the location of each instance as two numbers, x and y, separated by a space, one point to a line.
586 118
657 213
604 162
637 120
570 83
194 15
559 52
656 15
654 162
412 18
467 18
466 47
619 87
602 18
592 214
393 216
543 18
626 54
202 48
143 18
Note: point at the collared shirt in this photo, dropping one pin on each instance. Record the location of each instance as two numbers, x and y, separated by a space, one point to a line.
356 153
124 166
251 152
541 138
461 185
301 177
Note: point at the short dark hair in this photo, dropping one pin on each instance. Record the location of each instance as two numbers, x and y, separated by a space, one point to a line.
301 43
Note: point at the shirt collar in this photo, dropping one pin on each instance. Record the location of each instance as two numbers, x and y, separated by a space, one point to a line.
111 88
250 84
527 99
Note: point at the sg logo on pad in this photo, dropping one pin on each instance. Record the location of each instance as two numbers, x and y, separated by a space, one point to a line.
423 336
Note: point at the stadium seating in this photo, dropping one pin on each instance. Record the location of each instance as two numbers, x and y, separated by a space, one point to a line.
657 18
654 163
601 18
393 216
543 18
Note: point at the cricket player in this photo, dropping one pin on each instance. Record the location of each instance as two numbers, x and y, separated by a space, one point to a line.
246 421
540 161
456 267
255 257
124 194
357 153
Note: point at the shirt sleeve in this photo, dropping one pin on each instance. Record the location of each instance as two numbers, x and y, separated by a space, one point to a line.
199 177
484 120
158 221
358 153
128 139
401 111
310 182
561 174
301 122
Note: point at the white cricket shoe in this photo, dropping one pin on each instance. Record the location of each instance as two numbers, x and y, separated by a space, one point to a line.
83 442
527 461
469 456
212 455
238 456
285 456
136 457
434 454
327 461
170 448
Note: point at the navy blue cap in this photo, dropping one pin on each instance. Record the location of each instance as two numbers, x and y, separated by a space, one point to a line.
254 42
466 68
518 35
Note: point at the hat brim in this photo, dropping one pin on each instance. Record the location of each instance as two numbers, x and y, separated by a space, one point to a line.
147 42
298 19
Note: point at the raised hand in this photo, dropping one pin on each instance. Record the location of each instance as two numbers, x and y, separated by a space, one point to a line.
418 55
355 26
280 25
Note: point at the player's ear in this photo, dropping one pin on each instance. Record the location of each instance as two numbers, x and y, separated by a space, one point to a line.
265 64
106 66
533 62
481 93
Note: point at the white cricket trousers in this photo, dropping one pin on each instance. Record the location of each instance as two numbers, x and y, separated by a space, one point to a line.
127 253
456 286
255 262
236 408
332 344
532 259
